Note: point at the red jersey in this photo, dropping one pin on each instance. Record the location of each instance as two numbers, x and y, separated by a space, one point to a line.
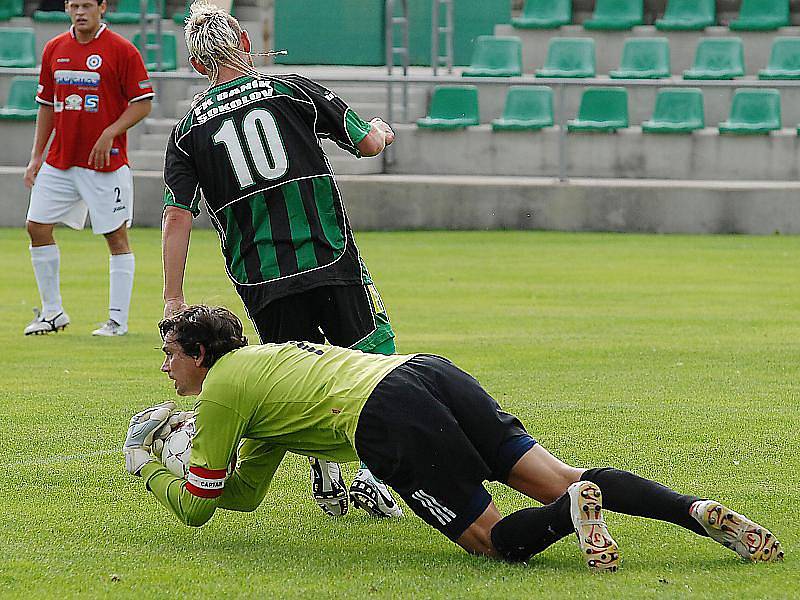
89 86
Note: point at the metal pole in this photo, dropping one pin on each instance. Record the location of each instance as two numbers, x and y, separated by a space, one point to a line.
405 60
435 36
388 157
562 133
449 36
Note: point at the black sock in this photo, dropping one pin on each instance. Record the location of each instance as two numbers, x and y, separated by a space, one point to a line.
526 532
626 493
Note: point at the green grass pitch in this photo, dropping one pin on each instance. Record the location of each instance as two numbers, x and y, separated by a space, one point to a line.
675 357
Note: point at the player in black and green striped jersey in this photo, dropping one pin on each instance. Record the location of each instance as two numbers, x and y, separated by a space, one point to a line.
250 147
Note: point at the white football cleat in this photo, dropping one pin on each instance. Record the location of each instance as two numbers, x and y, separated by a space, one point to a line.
586 510
110 329
736 532
373 496
327 487
42 325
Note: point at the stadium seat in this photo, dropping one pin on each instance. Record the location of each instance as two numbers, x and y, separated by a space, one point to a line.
753 111
784 60
21 104
569 57
6 10
495 56
169 58
127 11
11 8
544 14
452 107
717 58
528 108
644 58
688 15
616 14
677 110
17 47
51 16
602 109
761 15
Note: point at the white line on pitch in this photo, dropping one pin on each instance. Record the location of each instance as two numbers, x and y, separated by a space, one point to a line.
53 460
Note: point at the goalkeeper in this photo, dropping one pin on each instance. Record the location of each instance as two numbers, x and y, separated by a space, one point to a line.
421 424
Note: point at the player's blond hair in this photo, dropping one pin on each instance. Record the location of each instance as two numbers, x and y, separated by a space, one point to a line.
213 38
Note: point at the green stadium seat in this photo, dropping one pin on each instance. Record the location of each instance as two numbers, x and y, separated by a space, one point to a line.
127 12
784 59
21 104
544 14
754 111
688 15
169 57
644 58
717 58
528 108
569 57
616 14
452 107
17 47
677 110
761 15
495 56
602 109
7 10
51 16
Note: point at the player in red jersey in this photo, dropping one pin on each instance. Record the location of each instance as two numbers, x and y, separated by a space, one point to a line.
93 87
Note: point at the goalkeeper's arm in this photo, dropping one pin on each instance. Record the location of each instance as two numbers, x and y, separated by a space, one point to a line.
195 499
243 491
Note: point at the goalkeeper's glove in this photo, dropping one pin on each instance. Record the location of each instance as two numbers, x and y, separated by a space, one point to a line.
141 431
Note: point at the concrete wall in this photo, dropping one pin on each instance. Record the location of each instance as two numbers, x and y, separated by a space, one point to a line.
391 202
629 153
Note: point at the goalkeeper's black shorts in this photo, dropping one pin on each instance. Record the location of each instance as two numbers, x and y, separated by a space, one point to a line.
435 435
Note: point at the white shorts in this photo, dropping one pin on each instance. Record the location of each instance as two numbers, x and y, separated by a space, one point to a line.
60 196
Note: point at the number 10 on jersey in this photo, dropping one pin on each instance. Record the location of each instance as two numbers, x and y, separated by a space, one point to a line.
262 143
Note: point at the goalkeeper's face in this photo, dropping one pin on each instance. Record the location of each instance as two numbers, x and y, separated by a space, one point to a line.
183 369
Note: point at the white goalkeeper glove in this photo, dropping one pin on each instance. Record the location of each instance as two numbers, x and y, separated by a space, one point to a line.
141 431
176 420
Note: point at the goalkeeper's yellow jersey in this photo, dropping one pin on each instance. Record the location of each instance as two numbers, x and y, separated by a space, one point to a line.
275 398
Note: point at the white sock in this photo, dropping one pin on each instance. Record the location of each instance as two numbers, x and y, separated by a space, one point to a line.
120 286
46 262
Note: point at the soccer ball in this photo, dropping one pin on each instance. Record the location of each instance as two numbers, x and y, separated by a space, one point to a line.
177 450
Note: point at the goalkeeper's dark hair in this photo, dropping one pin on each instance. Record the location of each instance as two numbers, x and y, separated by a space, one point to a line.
215 328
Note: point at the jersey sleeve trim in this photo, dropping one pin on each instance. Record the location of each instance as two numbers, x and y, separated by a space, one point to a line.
142 97
356 127
194 208
45 102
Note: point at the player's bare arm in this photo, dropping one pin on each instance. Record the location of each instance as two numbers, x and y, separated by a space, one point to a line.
176 227
379 136
44 129
100 155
